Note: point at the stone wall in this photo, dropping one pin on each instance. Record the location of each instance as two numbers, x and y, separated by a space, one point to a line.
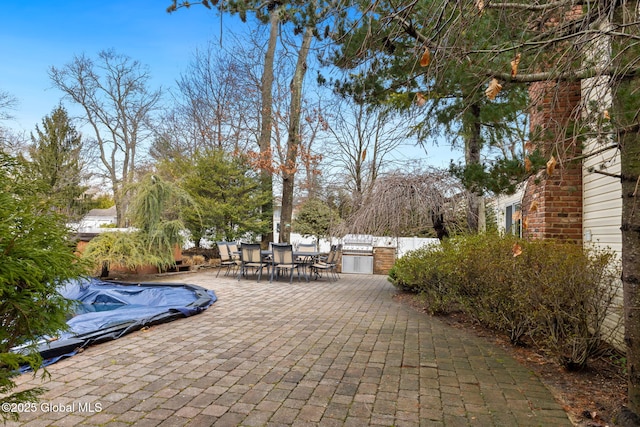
383 259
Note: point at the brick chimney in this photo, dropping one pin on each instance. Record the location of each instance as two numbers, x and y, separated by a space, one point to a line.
552 203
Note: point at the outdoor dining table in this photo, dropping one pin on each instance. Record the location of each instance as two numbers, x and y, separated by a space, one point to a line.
304 259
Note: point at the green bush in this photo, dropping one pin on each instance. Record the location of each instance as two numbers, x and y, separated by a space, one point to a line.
121 248
422 271
36 257
555 295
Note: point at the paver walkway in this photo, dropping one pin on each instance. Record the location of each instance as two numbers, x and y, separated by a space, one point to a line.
301 354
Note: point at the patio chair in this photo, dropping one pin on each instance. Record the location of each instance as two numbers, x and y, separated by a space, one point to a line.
330 266
251 260
323 258
283 260
307 247
306 255
225 258
234 252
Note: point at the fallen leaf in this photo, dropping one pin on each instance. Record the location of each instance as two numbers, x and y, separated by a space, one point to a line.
420 99
529 146
514 65
551 165
533 207
426 58
480 6
494 88
525 223
606 115
527 165
516 249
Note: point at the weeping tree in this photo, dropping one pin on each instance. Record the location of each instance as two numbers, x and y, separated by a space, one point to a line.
425 203
154 212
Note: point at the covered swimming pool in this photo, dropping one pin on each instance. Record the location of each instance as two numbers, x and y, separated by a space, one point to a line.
107 310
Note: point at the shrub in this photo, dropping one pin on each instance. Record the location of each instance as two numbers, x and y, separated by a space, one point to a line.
121 248
423 271
555 295
575 294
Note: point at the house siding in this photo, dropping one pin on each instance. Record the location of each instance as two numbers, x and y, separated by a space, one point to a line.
602 194
602 219
602 202
500 204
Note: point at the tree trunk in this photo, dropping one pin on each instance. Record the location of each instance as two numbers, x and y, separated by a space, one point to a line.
266 125
293 139
630 170
473 145
625 107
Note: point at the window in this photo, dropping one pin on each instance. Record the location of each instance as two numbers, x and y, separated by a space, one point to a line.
513 219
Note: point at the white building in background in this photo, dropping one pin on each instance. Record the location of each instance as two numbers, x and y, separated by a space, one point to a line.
97 220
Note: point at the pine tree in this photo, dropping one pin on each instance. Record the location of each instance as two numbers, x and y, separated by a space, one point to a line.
56 158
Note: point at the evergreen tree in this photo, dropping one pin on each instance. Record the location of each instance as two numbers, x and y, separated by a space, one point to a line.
56 158
388 53
228 196
36 258
316 218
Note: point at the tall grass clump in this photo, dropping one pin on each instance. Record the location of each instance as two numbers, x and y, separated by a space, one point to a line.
550 294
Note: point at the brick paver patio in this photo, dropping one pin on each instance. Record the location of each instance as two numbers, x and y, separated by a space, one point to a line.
301 354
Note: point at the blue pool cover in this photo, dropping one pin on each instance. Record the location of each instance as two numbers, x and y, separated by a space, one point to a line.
107 310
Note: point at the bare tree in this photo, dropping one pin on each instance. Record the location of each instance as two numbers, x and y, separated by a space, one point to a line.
117 102
361 139
217 105
314 124
305 18
7 103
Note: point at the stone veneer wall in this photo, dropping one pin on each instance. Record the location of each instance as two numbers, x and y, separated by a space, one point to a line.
383 259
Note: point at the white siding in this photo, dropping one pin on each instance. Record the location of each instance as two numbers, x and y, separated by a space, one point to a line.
602 202
602 194
500 203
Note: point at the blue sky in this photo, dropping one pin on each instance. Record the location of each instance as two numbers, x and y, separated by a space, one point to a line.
38 34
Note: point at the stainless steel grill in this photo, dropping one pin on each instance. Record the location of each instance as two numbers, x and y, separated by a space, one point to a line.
357 253
357 244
